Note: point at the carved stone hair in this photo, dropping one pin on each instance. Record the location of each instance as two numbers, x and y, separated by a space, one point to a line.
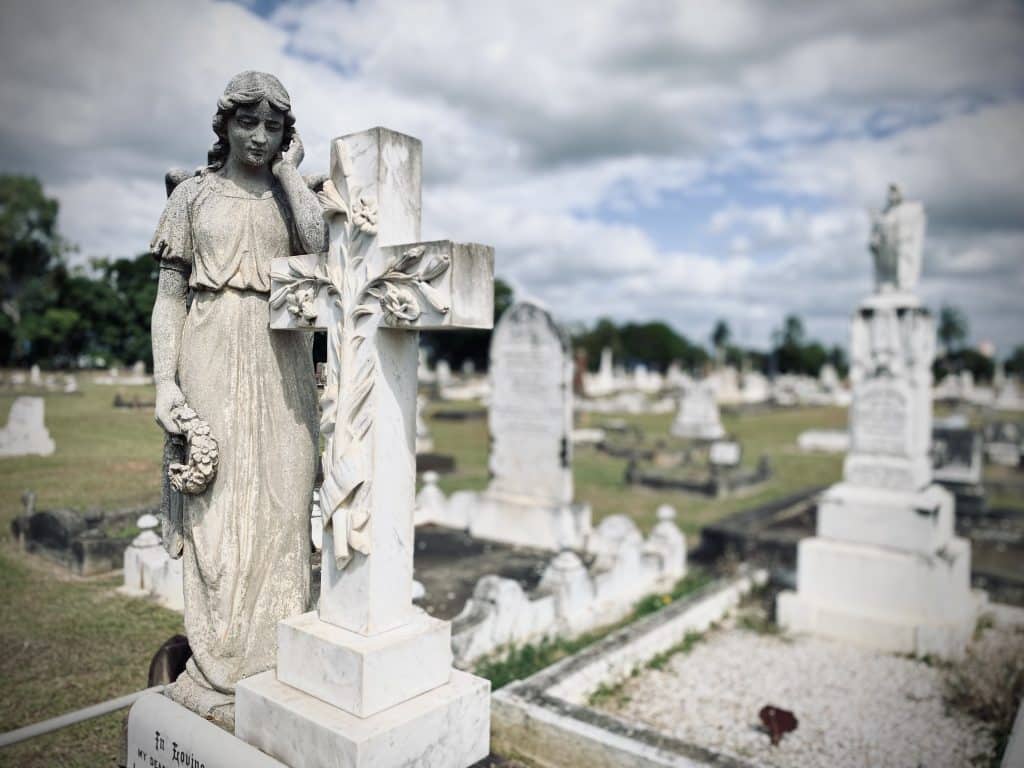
243 89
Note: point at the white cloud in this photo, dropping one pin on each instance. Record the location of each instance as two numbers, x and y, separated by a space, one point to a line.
571 136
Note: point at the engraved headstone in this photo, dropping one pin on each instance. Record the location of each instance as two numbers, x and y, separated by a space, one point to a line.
530 415
725 453
26 433
529 500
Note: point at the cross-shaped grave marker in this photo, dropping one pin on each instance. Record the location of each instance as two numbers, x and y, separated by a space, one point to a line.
367 679
373 291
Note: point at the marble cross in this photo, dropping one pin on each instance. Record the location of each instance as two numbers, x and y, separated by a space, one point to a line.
373 290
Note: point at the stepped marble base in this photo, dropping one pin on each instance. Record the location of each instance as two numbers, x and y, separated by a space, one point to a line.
892 600
919 521
364 675
448 727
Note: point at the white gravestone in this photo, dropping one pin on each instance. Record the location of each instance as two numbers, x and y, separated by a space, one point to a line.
698 416
367 679
25 433
885 568
725 453
529 499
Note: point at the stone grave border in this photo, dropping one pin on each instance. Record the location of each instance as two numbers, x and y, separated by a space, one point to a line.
536 719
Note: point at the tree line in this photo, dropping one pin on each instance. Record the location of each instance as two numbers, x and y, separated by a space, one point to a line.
65 316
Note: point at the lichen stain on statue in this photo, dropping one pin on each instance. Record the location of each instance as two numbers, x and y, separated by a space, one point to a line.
238 402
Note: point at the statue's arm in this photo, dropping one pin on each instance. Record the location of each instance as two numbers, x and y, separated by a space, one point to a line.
306 211
167 323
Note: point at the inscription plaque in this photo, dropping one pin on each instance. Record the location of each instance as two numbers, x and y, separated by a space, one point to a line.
163 734
879 422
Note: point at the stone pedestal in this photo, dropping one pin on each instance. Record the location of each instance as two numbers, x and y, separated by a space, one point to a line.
448 726
892 600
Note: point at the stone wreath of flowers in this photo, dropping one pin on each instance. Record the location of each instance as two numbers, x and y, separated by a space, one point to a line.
201 453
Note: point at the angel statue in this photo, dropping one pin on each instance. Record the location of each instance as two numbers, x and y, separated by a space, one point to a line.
244 397
897 241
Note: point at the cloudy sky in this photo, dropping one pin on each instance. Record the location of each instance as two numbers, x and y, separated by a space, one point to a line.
666 160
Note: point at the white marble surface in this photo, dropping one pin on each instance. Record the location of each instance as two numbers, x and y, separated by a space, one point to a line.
26 433
364 675
530 415
914 522
897 601
448 727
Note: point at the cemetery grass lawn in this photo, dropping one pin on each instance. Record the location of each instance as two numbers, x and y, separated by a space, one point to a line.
69 643
599 478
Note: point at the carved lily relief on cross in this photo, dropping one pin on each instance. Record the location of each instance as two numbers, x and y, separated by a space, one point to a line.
338 291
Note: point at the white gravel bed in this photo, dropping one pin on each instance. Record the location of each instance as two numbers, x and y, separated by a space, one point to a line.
855 707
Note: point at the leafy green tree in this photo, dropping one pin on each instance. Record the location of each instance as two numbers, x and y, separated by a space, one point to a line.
720 336
952 330
1014 364
29 247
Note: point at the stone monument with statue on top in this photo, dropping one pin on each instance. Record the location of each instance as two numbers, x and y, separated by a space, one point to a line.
885 568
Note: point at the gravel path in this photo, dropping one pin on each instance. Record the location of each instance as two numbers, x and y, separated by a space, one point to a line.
855 707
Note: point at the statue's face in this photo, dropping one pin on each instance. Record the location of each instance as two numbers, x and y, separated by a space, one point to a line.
255 132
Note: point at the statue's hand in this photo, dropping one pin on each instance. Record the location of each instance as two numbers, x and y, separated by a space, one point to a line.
168 396
292 156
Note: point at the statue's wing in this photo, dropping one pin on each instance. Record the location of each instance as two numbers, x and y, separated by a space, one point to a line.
175 176
315 181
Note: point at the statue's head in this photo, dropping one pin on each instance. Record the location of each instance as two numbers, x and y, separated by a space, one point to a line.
894 196
253 122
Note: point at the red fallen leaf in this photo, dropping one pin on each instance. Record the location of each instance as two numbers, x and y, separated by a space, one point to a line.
777 722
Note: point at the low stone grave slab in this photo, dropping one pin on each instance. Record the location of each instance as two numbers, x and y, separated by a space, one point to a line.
86 542
459 414
450 563
704 478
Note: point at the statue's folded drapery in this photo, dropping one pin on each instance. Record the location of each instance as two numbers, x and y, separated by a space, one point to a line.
246 553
